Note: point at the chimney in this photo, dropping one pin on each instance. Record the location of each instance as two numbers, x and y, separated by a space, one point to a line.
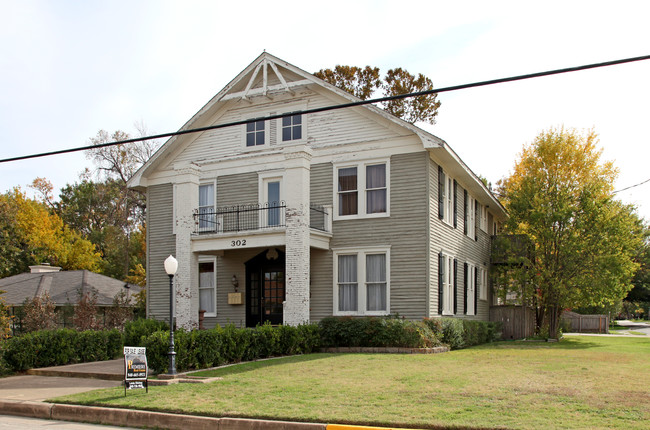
44 268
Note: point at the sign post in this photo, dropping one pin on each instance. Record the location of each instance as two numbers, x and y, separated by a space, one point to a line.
135 368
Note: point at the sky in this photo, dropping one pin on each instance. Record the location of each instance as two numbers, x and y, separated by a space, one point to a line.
71 68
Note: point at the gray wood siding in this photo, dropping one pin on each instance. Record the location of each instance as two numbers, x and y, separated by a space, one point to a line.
326 128
237 189
404 231
454 242
161 243
320 180
320 286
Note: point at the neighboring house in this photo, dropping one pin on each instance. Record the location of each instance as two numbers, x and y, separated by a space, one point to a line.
63 287
342 212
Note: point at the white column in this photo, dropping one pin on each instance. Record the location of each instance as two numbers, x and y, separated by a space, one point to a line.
186 280
296 180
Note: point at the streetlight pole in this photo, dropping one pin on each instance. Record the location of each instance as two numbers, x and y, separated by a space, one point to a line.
171 265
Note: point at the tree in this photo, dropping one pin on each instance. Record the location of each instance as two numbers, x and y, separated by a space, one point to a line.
116 164
364 82
34 235
5 318
585 242
38 313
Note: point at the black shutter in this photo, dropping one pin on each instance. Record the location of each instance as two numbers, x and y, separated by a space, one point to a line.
441 193
441 274
455 286
465 289
475 291
455 209
465 212
476 219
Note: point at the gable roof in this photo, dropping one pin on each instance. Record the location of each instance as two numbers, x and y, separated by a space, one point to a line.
63 287
267 75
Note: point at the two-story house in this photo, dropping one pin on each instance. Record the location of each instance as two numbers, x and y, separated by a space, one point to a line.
290 220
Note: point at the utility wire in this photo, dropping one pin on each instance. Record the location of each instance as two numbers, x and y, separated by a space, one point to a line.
631 186
340 106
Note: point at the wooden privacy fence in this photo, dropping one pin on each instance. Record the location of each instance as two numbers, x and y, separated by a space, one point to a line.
586 323
518 321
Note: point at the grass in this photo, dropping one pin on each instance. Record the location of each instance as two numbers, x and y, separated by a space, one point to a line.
580 382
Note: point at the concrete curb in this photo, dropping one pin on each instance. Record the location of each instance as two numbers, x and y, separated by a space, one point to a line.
135 418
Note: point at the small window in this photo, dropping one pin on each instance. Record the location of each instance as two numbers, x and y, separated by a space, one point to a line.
255 133
347 283
448 275
483 283
347 190
376 189
207 288
292 128
470 289
449 200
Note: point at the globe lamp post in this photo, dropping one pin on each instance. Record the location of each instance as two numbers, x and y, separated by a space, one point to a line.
171 265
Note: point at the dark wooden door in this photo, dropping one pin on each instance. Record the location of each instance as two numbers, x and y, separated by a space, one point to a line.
265 289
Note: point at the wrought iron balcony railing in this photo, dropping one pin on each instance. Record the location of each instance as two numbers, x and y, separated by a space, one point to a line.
232 219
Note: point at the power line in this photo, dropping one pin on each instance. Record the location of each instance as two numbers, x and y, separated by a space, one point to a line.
631 186
340 106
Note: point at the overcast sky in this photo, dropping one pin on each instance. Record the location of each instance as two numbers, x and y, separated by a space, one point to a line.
71 68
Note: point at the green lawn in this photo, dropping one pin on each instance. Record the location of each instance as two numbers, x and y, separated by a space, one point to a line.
580 382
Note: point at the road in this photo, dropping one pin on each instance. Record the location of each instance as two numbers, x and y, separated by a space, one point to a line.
22 423
635 326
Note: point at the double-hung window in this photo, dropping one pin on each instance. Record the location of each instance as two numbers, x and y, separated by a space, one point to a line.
484 219
446 198
361 190
362 284
483 283
292 128
470 216
471 278
208 286
255 133
447 284
207 218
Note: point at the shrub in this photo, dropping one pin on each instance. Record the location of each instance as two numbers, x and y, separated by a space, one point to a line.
376 332
460 333
135 331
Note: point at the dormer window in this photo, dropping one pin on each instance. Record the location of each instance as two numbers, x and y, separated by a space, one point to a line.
291 128
255 133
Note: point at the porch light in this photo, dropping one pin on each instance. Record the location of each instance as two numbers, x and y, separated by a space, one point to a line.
235 282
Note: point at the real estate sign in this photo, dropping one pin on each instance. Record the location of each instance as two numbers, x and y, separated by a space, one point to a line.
135 368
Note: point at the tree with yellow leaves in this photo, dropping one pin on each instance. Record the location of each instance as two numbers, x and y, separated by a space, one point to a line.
31 234
560 195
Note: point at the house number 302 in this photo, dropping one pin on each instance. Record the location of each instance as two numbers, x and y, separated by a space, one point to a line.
238 242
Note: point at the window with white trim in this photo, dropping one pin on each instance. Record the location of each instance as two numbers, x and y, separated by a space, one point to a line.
483 283
470 285
256 133
470 214
448 276
361 190
208 286
292 128
362 285
449 200
207 220
483 222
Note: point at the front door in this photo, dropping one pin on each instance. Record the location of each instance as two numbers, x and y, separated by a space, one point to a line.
265 289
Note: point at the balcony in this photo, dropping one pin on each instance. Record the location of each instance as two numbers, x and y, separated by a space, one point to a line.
253 217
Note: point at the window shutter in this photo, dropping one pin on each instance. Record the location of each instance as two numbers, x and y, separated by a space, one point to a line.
477 215
455 209
455 286
475 291
441 193
465 212
441 274
465 289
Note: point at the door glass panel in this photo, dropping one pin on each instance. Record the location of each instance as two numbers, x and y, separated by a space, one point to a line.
273 189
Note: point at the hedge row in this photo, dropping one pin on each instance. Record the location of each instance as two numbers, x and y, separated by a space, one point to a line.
208 348
460 334
200 349
58 347
376 332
